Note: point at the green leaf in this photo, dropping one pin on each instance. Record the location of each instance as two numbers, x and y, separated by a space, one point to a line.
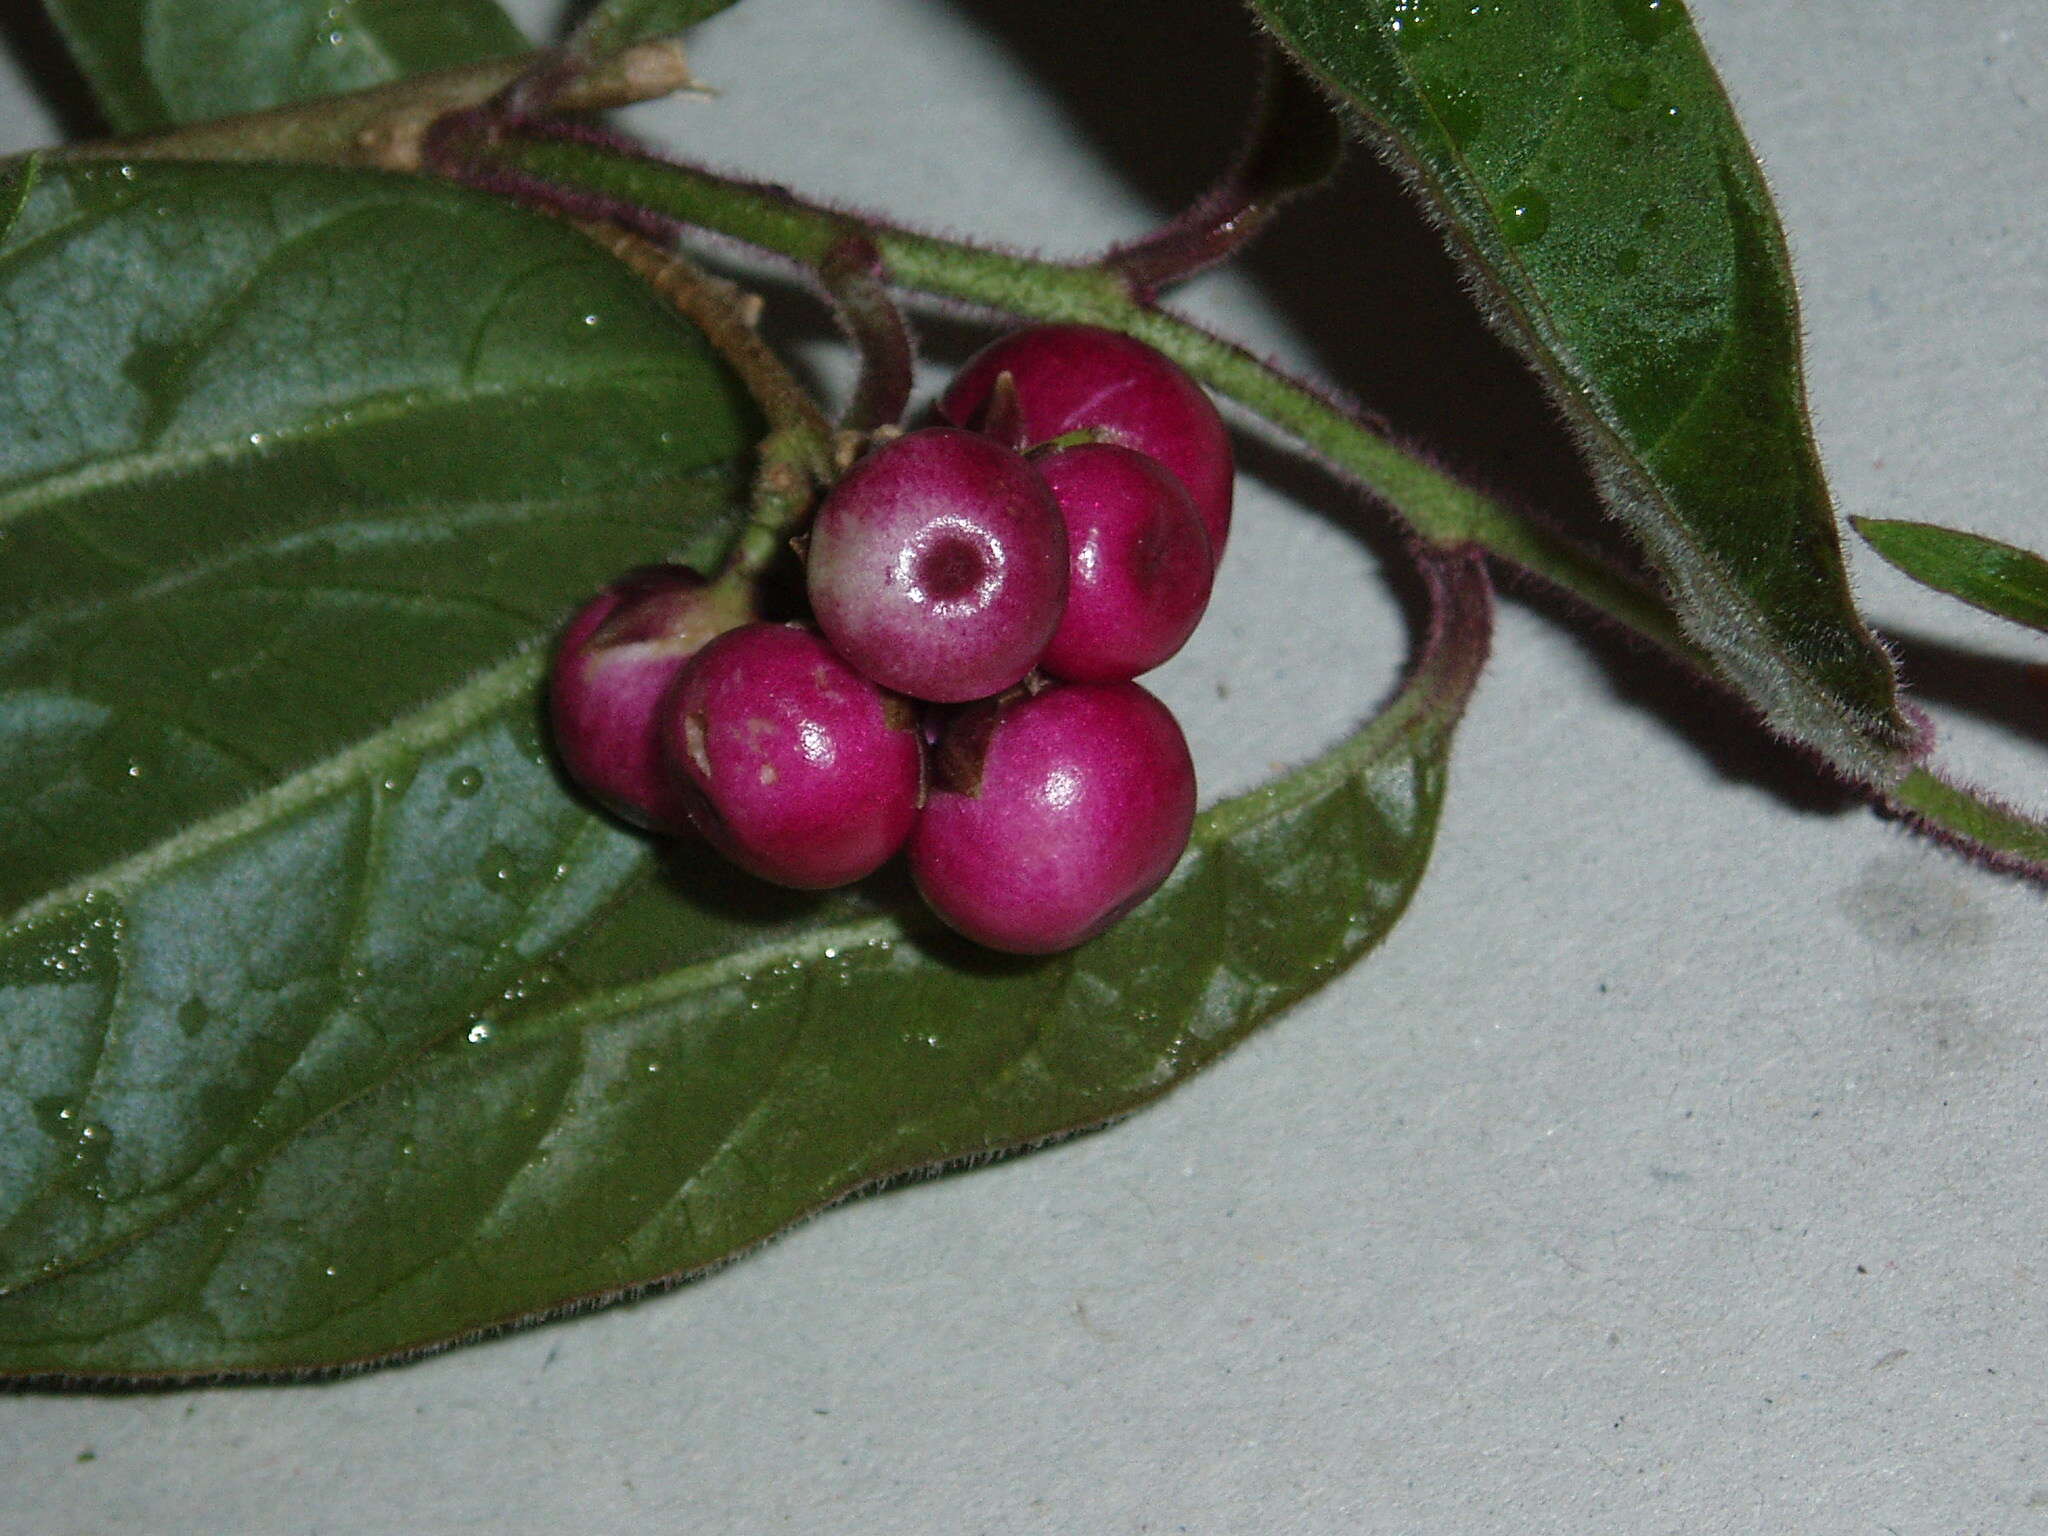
1588 170
709 1061
615 24
1998 578
296 467
155 63
17 180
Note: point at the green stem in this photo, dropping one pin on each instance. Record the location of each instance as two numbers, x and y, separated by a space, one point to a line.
386 127
798 456
1440 510
383 125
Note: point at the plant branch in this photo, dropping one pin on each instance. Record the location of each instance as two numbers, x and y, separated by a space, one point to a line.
383 127
597 175
798 456
856 280
1295 144
1436 507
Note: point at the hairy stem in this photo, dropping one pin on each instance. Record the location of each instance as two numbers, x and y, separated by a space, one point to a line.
855 279
1437 508
383 127
1295 145
799 454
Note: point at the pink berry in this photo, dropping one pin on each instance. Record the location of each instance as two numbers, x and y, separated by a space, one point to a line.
938 566
1084 801
791 763
1080 378
1139 568
616 659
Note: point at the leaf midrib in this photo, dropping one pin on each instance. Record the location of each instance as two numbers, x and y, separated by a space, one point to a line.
120 470
412 736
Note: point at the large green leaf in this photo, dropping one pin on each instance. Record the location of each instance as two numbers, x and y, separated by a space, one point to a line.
1588 170
286 457
709 1061
154 63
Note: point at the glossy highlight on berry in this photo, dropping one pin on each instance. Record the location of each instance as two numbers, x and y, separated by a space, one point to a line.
790 762
1066 809
1139 571
1081 378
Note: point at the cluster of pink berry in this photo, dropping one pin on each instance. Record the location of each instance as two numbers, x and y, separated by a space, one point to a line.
982 592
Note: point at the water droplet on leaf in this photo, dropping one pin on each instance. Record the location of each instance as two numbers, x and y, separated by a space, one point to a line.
1645 21
1525 216
1628 90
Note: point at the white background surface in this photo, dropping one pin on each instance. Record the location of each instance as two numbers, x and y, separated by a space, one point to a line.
1677 1165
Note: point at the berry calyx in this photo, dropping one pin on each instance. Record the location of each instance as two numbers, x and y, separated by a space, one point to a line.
791 763
938 565
1139 566
1082 378
1065 810
617 657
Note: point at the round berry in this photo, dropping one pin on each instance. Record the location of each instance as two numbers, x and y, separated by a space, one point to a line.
1139 568
1080 378
1067 809
938 565
791 763
616 659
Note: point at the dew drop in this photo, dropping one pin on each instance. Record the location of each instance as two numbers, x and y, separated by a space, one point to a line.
479 1033
1414 18
55 1117
499 866
1645 21
590 320
408 1147
1628 90
465 783
1525 216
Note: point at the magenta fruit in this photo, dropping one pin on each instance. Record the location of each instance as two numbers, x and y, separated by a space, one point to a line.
1080 378
1066 809
616 659
1139 568
938 566
791 763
